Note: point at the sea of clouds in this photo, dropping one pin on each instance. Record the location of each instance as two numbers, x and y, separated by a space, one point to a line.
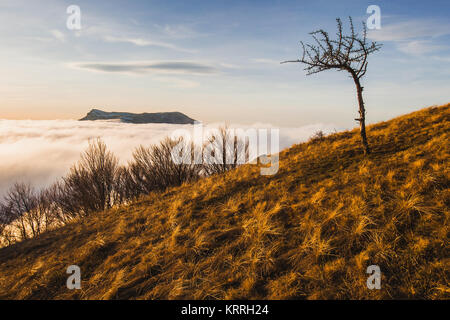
40 152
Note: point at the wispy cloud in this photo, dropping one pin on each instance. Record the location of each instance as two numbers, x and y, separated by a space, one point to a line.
266 61
58 35
419 47
410 29
179 31
415 37
184 67
141 42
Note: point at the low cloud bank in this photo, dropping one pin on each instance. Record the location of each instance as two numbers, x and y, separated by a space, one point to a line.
41 152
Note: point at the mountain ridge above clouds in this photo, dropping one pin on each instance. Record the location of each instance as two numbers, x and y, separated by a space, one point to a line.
128 117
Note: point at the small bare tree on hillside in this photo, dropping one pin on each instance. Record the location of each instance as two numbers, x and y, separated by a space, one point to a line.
346 53
26 213
90 185
126 187
153 168
20 207
167 172
225 151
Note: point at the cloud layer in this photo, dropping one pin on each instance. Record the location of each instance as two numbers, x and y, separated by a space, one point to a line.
41 152
146 67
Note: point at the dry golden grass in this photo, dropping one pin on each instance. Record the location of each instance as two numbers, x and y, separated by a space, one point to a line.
308 232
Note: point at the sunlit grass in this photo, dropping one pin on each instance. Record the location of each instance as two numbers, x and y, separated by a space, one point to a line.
308 232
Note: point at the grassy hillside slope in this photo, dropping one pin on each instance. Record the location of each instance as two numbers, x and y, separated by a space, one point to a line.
308 232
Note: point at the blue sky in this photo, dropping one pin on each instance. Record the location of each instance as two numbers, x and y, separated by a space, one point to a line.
215 60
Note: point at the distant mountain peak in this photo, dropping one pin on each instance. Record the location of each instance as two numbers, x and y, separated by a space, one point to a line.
127 117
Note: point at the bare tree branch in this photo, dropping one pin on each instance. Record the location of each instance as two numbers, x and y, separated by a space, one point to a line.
347 52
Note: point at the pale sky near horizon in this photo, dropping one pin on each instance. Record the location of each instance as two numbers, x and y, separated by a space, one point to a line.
215 60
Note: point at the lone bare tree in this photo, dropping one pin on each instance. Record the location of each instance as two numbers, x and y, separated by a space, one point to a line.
346 53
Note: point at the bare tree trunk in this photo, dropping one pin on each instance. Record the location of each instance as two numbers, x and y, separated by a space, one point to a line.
362 114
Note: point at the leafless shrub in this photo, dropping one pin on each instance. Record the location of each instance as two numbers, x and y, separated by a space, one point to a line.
317 136
3 213
167 172
3 223
141 177
154 169
21 204
126 188
225 151
51 202
26 213
90 185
